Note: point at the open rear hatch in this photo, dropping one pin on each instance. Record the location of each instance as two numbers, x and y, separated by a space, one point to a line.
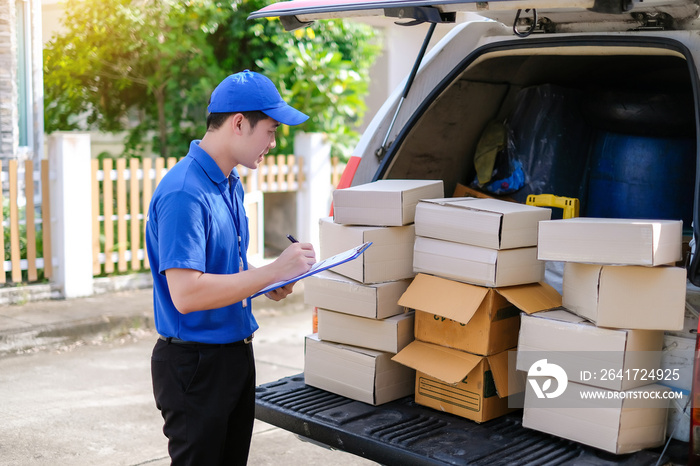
431 132
569 15
642 19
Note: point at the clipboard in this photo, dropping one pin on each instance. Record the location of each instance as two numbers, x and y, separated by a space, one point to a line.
325 264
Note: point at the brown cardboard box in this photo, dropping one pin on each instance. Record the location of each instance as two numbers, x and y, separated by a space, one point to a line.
610 241
389 258
335 292
383 202
477 265
488 223
615 359
472 318
464 384
391 334
626 296
612 423
357 373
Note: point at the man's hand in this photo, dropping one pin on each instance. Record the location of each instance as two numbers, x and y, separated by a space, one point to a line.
281 292
295 260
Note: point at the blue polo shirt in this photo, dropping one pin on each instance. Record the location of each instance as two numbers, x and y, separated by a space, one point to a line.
196 220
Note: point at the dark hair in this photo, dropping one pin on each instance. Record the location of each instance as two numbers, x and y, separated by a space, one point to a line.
215 120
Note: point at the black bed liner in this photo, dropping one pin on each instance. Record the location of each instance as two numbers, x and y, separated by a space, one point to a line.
405 433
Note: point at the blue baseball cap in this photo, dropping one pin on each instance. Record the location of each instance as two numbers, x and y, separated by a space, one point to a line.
248 91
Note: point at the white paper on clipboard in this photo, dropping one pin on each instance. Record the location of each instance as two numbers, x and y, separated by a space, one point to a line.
325 264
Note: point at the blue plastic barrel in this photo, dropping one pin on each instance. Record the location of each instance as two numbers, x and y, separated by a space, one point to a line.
641 177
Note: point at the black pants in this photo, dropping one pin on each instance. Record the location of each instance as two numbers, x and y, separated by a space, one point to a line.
206 394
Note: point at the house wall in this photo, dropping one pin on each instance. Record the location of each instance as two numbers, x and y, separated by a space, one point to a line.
9 75
36 151
9 131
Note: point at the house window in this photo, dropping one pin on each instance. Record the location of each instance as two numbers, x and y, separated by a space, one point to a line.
24 74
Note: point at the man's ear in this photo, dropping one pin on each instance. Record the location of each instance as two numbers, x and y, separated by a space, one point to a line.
236 122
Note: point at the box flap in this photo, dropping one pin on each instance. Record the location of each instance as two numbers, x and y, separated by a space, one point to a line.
570 337
489 205
562 315
393 186
508 380
454 220
454 300
580 286
447 364
354 351
533 297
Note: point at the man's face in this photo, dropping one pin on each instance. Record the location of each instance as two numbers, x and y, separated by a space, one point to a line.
257 141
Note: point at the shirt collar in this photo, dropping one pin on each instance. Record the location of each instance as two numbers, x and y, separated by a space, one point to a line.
208 165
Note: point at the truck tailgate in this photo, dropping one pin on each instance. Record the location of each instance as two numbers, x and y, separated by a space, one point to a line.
404 433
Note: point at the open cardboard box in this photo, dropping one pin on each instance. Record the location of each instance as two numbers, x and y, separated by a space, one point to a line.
467 385
473 318
389 258
615 359
610 241
383 202
330 290
489 223
475 264
626 296
391 334
357 373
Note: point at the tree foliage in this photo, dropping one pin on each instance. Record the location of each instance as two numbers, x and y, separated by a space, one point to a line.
324 71
148 67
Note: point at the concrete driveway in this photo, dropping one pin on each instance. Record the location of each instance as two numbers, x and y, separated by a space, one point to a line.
87 399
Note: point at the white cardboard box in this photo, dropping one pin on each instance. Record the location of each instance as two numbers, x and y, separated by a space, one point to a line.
610 241
626 296
391 334
389 258
477 265
617 424
383 202
615 359
489 223
357 373
335 292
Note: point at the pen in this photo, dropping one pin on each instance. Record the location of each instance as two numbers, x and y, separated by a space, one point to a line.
292 239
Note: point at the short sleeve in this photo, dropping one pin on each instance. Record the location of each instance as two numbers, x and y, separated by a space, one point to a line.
182 225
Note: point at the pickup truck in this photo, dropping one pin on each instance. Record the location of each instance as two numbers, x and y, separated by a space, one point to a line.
404 433
569 77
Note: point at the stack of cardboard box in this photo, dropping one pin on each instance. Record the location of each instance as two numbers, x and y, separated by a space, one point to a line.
360 323
618 298
484 242
478 269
